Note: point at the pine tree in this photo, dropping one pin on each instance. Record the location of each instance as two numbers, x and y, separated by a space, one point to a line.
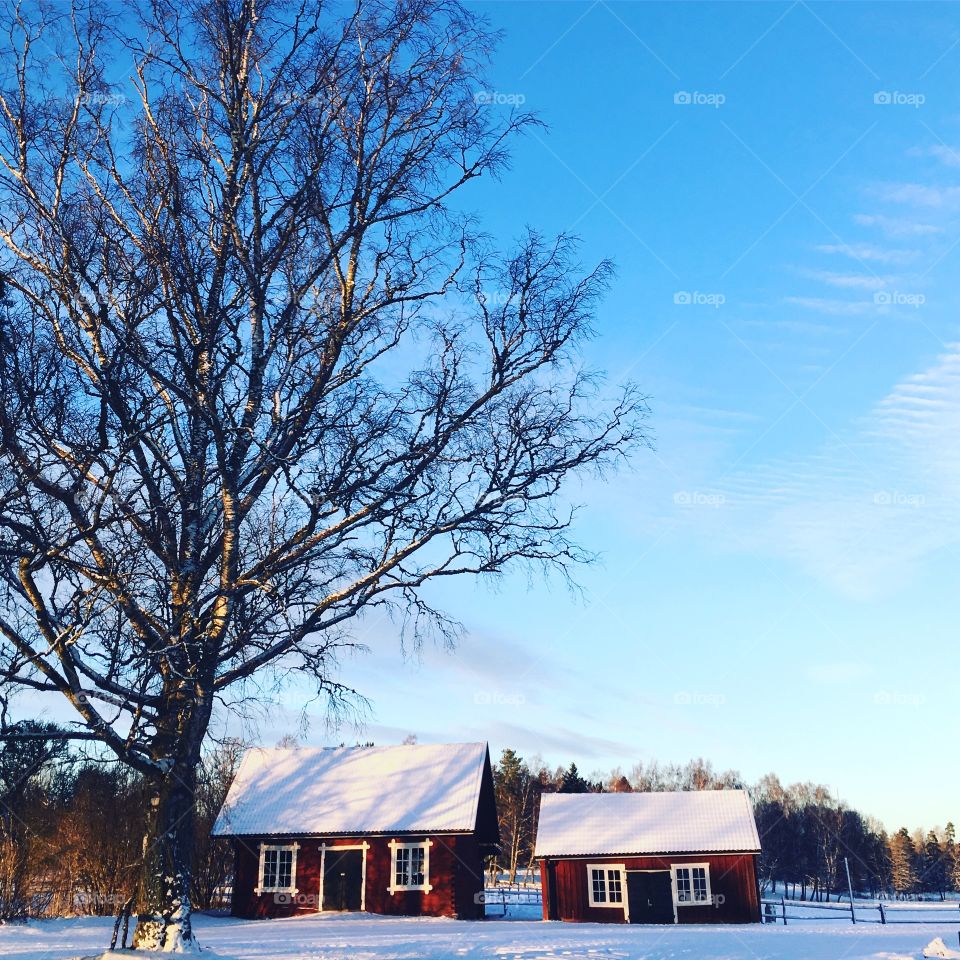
572 782
515 789
951 867
934 876
878 862
903 862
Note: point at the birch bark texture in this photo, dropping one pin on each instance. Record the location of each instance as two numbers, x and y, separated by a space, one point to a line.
258 374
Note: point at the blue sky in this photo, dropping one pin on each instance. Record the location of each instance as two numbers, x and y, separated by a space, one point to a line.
779 187
778 583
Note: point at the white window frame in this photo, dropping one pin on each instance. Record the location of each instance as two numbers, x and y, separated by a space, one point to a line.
423 845
674 867
608 868
293 848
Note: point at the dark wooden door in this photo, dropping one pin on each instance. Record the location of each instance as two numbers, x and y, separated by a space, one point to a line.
342 880
650 896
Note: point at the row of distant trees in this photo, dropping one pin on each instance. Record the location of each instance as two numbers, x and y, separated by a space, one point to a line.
71 829
808 837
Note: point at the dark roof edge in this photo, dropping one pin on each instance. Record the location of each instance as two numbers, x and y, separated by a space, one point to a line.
649 853
443 831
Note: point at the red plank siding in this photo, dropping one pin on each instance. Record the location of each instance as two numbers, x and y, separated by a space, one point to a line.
733 885
456 877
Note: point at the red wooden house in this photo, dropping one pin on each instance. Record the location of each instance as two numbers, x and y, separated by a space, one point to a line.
649 857
395 830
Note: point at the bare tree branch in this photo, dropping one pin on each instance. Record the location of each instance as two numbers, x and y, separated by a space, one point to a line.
256 375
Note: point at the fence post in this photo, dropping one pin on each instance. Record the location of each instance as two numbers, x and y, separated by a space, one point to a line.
783 906
846 864
883 916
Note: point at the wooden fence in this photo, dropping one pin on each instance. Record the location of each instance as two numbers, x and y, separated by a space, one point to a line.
860 911
504 895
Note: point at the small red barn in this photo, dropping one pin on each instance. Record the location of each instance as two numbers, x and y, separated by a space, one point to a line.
395 830
649 857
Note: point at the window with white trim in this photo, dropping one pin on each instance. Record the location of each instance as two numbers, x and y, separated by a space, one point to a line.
410 866
278 868
691 883
605 884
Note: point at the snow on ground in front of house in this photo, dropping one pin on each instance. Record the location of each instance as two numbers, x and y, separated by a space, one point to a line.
367 937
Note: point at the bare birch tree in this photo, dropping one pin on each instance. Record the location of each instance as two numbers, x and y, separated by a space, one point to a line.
257 375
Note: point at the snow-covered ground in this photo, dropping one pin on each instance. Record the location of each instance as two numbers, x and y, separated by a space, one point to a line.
353 937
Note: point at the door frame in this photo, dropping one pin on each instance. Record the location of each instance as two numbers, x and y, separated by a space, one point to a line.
673 892
324 847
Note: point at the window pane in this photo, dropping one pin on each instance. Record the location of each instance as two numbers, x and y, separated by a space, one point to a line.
699 884
285 868
416 867
269 868
599 886
613 885
403 867
683 885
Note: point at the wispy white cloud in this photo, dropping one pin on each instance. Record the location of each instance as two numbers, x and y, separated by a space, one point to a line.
849 281
947 155
868 252
868 507
846 308
896 227
805 327
919 194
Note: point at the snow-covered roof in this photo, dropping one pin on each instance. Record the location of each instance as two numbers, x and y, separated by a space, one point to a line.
700 821
303 790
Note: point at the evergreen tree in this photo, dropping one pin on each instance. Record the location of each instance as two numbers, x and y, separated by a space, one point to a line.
515 789
950 865
903 863
572 782
934 876
878 862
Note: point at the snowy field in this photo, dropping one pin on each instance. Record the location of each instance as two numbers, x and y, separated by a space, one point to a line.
352 937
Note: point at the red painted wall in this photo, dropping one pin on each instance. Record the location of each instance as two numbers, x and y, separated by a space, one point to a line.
456 874
733 885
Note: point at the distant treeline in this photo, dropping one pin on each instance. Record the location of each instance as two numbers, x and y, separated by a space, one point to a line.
805 832
71 829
